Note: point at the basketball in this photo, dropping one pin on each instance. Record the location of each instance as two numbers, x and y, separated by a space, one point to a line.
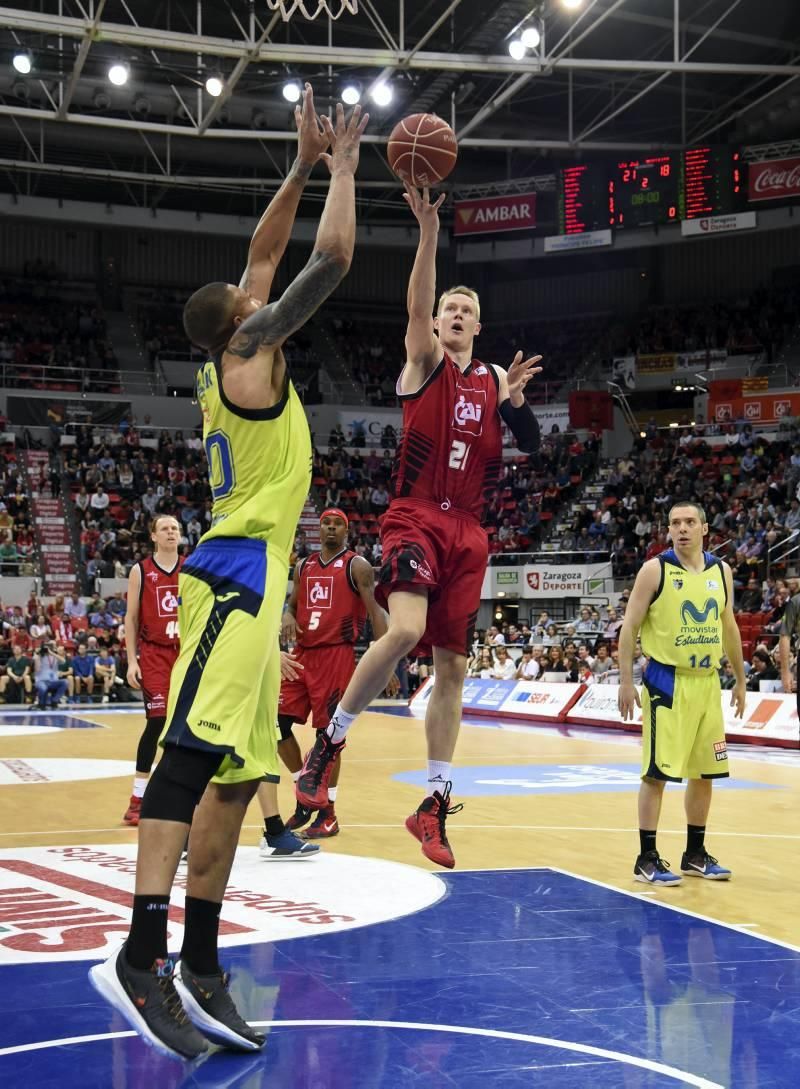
422 149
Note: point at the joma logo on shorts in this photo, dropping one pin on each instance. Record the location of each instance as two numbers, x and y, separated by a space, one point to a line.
688 611
206 725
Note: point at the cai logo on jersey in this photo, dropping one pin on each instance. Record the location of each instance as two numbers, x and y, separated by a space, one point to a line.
167 597
469 411
319 592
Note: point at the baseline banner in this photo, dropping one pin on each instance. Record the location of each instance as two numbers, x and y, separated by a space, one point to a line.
770 718
513 212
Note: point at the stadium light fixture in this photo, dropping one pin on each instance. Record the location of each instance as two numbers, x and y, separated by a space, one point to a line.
571 5
118 74
23 62
531 37
351 94
517 49
291 91
642 434
381 94
214 86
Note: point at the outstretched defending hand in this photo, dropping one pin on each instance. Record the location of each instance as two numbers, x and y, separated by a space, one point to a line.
519 374
420 204
312 141
344 139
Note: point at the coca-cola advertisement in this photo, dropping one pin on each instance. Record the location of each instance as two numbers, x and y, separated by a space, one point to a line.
775 179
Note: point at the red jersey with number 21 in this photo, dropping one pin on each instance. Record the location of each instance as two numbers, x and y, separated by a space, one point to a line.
329 606
158 603
451 451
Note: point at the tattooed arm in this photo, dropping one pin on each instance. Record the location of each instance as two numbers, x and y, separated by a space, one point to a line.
274 229
269 327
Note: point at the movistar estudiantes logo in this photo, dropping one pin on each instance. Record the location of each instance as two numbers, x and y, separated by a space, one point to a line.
699 616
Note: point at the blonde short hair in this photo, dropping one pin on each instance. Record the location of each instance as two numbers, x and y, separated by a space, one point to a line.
461 290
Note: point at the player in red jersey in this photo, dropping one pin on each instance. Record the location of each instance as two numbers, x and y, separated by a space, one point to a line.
332 595
435 550
152 642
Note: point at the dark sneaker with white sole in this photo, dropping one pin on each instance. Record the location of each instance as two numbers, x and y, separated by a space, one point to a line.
703 865
150 1004
653 870
209 1005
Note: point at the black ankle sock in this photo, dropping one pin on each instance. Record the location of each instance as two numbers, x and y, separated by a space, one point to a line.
695 838
147 940
274 826
200 936
647 841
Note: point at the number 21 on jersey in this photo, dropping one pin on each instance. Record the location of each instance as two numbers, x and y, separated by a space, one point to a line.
459 453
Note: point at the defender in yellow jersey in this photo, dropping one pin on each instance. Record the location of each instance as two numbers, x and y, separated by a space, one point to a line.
682 601
220 738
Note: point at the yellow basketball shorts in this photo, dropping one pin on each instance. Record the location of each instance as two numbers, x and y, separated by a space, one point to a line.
683 731
224 688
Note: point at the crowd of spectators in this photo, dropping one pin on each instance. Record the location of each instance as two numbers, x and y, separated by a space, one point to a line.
17 545
50 342
120 478
66 651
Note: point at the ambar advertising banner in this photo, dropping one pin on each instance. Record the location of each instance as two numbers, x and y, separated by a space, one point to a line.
513 212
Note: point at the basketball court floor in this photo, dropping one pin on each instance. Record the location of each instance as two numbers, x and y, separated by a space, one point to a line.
538 962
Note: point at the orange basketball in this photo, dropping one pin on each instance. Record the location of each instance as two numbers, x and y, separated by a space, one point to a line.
422 149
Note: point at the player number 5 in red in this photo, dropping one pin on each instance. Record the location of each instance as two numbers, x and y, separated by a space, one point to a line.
313 620
459 452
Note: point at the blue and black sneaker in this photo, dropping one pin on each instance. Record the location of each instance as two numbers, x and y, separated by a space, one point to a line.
287 846
653 870
703 865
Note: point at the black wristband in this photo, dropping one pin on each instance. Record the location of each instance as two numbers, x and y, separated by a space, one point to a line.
523 424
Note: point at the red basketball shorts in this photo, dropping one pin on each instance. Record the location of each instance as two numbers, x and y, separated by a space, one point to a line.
155 665
446 554
320 686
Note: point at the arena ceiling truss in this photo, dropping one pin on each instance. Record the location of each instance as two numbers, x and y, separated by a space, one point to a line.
607 76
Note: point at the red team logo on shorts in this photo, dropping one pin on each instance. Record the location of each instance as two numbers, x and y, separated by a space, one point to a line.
320 592
469 411
167 598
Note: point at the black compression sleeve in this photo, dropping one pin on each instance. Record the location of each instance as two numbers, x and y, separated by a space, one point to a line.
523 424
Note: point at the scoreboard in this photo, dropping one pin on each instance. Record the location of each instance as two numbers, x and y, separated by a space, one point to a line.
652 190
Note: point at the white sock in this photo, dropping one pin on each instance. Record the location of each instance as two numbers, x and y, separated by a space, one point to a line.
332 794
139 787
339 724
438 775
296 775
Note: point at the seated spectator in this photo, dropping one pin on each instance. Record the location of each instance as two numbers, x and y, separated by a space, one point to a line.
612 625
762 668
16 685
494 637
117 605
9 556
750 601
65 672
99 501
40 629
83 672
105 670
482 664
50 688
551 637
74 607
727 677
554 663
527 668
504 668
602 663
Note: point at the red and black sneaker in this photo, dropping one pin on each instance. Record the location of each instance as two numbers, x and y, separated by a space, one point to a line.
311 789
427 825
300 817
133 811
325 826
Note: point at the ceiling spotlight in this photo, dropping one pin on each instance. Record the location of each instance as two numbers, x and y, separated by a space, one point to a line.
531 37
291 91
22 63
118 74
381 94
516 49
258 119
571 5
141 105
101 100
214 86
21 90
351 95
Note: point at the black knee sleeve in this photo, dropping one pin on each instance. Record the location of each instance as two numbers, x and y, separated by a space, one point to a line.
148 743
177 784
285 723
